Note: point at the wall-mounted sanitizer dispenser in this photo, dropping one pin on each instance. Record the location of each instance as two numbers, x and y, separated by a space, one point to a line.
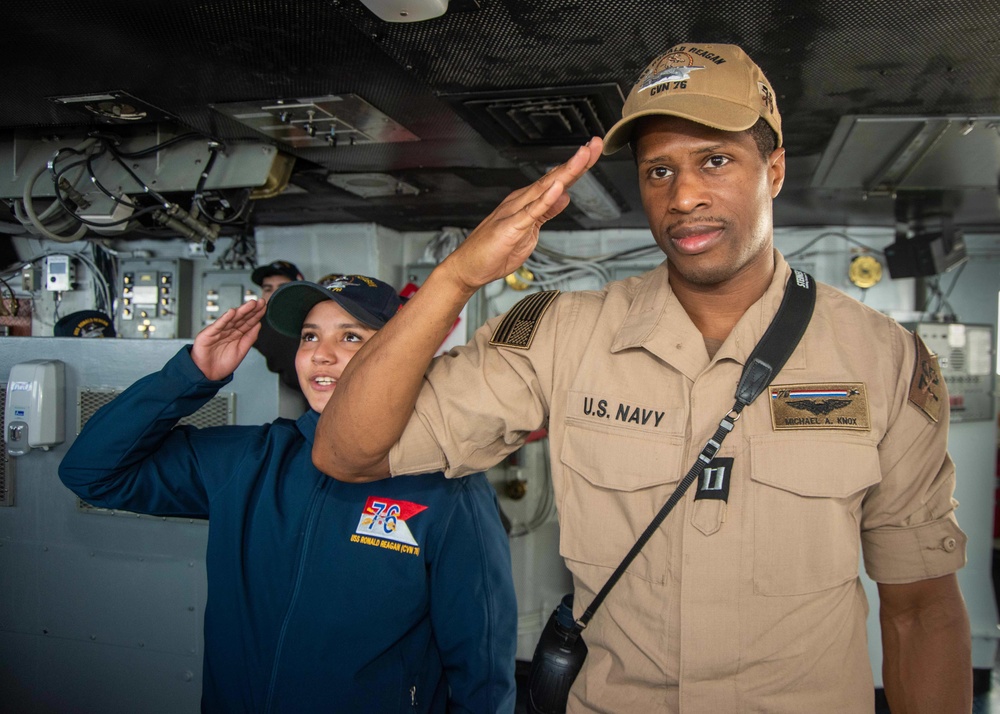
36 406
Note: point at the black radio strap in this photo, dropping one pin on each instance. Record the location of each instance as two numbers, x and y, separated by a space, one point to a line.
766 360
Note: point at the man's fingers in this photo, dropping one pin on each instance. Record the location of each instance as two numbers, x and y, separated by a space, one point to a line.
554 199
565 174
578 164
543 208
556 208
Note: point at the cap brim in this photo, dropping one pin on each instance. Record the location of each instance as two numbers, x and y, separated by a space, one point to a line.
290 304
709 111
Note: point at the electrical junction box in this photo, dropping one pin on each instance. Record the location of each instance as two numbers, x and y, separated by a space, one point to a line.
225 289
104 214
967 360
154 302
31 278
60 273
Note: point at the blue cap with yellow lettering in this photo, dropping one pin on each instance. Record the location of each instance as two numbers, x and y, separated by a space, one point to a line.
369 300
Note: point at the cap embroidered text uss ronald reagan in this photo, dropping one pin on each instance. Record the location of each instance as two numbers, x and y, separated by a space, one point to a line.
715 85
369 300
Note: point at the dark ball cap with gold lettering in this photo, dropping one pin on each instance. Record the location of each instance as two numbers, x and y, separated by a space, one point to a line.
278 267
369 300
715 85
86 323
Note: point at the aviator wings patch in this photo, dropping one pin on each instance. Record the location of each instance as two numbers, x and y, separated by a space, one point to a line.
819 406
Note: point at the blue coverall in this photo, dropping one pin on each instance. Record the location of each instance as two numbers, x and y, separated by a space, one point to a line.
390 596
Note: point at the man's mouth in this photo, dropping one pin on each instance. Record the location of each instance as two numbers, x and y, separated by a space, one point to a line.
695 238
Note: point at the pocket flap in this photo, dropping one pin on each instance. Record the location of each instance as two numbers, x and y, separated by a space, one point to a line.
620 460
815 467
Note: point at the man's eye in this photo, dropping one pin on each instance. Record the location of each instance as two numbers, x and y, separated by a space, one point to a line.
308 337
660 172
353 337
717 161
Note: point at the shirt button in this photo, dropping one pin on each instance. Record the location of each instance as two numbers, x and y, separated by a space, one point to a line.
949 544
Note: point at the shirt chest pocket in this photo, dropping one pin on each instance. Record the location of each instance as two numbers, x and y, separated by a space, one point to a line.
807 497
615 482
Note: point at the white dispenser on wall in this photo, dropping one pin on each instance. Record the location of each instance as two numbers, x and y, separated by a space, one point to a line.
35 412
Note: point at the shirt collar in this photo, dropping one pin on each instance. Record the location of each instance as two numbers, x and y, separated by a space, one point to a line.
656 322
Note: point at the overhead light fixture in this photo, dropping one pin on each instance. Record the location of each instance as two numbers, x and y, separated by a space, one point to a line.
406 10
330 121
589 195
115 107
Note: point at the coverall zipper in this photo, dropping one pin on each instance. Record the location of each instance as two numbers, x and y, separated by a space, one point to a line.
314 511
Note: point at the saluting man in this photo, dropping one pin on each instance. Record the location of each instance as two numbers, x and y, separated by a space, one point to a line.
747 598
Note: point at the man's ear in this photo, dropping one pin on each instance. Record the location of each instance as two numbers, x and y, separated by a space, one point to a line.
776 170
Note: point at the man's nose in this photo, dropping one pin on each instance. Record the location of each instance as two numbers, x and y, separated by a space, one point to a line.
689 193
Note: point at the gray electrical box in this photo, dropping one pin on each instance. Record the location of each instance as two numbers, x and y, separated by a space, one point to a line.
222 290
154 299
968 365
60 273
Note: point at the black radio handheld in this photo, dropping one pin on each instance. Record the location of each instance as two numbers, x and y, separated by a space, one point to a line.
558 658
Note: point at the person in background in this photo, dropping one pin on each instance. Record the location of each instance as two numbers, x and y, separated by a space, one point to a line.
278 350
272 276
747 597
322 596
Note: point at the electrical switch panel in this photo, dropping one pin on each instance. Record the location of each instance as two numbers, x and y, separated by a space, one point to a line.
154 299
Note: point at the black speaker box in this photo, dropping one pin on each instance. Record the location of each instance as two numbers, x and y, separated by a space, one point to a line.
926 254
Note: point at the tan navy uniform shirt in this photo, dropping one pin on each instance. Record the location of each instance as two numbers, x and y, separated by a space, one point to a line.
745 603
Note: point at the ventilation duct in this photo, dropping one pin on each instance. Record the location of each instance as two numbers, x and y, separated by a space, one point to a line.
559 117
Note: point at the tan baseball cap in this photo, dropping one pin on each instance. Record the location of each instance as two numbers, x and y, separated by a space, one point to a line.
715 85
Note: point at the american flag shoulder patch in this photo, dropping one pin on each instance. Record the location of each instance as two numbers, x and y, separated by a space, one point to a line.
517 329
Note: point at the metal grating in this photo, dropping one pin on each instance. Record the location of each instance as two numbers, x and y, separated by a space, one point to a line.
220 410
6 462
541 117
956 360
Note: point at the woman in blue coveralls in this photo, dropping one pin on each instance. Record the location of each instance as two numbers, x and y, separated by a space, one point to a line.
322 596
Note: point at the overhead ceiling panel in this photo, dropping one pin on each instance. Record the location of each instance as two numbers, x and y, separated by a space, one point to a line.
502 88
319 121
885 154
